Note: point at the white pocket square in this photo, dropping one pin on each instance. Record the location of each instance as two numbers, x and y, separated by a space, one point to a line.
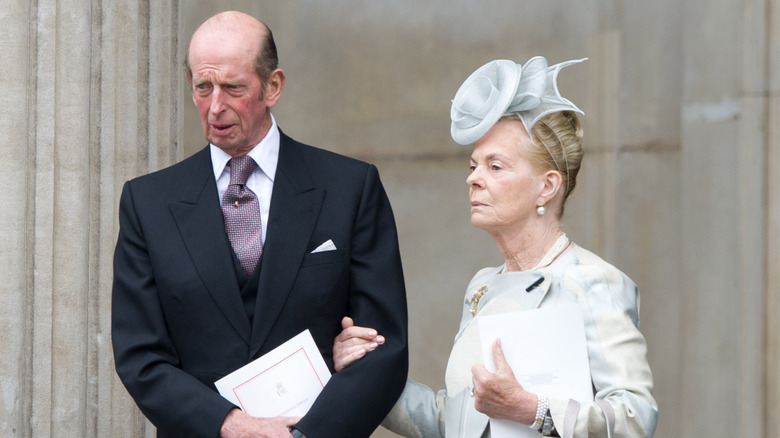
327 246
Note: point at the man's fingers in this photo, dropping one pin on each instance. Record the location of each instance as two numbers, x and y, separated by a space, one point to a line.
290 421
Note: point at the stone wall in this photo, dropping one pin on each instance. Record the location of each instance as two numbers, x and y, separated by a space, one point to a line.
91 98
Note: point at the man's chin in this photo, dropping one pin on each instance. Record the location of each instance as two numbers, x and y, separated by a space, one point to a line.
230 148
222 141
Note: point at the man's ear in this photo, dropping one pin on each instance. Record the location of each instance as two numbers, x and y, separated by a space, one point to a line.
274 87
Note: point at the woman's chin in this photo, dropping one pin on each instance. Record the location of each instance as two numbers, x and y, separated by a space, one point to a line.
480 222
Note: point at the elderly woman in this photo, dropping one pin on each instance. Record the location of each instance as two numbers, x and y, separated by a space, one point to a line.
527 144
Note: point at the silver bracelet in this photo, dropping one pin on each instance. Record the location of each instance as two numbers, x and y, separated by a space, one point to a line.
548 427
541 410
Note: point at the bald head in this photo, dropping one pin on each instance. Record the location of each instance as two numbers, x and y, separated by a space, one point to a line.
231 19
248 36
231 68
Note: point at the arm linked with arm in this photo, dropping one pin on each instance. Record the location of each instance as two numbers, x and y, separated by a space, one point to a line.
357 398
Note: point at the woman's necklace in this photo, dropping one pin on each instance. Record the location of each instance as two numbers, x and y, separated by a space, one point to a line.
560 245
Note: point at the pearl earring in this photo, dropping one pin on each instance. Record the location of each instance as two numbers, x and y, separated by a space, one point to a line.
540 210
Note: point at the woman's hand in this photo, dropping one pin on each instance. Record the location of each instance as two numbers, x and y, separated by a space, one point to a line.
499 395
353 343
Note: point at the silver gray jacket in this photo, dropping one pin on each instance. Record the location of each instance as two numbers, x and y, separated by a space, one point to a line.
623 404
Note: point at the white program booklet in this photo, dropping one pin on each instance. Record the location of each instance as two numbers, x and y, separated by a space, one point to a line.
283 382
547 352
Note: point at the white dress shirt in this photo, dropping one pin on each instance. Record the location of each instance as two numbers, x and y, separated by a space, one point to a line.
261 182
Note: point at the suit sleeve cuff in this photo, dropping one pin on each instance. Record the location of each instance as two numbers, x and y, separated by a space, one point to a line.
297 433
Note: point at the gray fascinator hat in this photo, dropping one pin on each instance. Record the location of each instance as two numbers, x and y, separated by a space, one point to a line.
502 87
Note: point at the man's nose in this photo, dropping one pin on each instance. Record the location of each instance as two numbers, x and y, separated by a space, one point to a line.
217 101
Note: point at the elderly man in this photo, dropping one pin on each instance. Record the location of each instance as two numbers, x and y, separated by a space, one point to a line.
233 251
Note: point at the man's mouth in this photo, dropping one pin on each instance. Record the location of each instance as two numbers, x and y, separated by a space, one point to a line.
220 129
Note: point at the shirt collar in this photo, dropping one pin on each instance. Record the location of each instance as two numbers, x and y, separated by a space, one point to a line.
265 154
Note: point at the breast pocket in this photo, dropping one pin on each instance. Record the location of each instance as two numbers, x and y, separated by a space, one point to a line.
324 257
322 284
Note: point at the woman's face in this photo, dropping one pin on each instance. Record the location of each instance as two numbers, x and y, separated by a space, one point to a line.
503 185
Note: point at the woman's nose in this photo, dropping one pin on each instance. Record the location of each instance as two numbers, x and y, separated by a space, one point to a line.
474 179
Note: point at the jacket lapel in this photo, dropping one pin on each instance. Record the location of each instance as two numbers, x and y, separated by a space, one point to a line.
202 229
536 291
295 205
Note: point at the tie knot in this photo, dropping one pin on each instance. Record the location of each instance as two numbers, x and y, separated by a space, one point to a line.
240 169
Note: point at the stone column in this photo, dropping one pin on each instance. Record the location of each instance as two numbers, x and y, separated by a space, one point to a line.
91 92
15 259
772 310
724 213
751 256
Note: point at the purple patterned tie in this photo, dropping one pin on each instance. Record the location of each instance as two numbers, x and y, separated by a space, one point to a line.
242 214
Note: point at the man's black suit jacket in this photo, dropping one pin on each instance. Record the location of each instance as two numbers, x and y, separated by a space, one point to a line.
178 321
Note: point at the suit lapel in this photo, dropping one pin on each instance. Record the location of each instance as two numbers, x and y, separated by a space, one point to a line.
536 292
202 228
295 205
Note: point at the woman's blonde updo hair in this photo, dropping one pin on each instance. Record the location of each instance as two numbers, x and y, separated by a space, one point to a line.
557 139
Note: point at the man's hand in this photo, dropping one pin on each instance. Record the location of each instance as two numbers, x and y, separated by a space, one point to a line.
238 424
353 343
499 395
